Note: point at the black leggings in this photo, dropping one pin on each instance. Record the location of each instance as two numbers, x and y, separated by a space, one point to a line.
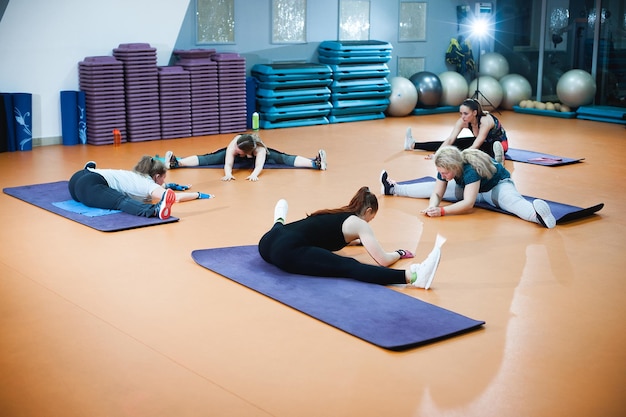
461 143
92 190
280 247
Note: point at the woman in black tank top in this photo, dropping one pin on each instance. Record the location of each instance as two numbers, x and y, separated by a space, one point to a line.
307 246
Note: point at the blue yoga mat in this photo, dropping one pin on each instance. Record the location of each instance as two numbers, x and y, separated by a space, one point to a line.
54 197
538 158
563 213
374 313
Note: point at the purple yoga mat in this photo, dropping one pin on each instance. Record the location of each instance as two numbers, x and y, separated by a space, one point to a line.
538 158
45 195
563 213
374 313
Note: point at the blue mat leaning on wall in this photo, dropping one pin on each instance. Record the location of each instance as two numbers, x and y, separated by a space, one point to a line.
16 126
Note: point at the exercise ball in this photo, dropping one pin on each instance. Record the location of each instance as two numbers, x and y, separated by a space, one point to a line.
489 89
515 88
494 65
454 88
428 88
576 88
520 64
403 97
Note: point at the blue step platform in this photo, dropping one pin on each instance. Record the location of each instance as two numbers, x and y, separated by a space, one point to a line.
609 114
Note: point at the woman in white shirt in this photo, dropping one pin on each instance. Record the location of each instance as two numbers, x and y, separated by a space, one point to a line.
132 192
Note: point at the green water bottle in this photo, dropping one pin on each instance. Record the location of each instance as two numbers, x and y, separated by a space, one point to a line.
255 121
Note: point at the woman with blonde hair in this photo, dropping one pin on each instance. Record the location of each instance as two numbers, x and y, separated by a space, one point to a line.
241 149
468 177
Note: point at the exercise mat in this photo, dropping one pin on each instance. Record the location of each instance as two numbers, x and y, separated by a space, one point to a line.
563 213
538 158
55 197
374 313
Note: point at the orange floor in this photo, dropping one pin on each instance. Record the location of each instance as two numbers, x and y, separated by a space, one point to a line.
126 324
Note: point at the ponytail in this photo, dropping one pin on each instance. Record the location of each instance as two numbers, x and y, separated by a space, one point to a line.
360 202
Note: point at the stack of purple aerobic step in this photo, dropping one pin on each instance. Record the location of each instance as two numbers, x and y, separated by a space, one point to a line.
231 75
102 80
204 90
141 82
175 100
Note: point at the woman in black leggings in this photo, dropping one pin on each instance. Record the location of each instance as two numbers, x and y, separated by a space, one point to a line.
307 246
488 135
129 191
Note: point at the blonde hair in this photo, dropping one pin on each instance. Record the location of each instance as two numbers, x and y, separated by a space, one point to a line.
452 159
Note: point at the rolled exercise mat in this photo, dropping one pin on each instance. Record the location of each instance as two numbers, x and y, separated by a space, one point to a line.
69 117
23 121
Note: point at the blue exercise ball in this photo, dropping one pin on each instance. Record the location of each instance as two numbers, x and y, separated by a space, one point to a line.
429 89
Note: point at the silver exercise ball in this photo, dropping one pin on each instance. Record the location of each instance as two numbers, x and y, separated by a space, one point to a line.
494 65
490 88
403 97
515 88
454 88
576 88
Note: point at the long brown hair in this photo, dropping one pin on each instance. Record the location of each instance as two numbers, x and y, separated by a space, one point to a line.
362 200
474 104
248 143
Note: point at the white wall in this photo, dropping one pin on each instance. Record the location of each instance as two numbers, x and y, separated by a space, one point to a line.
42 42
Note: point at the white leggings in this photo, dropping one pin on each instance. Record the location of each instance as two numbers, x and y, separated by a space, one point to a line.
504 196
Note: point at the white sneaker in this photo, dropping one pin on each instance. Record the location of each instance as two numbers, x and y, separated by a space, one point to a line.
280 211
544 214
498 152
321 160
424 273
408 140
170 160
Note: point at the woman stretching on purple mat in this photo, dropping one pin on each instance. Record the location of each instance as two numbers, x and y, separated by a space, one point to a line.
307 246
130 191
489 135
468 177
241 149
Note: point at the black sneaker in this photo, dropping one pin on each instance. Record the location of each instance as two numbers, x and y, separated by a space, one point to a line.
90 164
386 186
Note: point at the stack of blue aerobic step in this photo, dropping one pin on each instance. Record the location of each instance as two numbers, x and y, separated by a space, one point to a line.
292 94
360 90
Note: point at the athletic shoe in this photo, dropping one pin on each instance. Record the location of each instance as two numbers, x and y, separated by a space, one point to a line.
386 186
170 160
544 214
165 205
424 273
90 164
498 152
280 211
320 160
409 143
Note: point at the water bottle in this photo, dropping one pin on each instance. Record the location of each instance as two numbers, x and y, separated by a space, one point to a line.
255 121
117 138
